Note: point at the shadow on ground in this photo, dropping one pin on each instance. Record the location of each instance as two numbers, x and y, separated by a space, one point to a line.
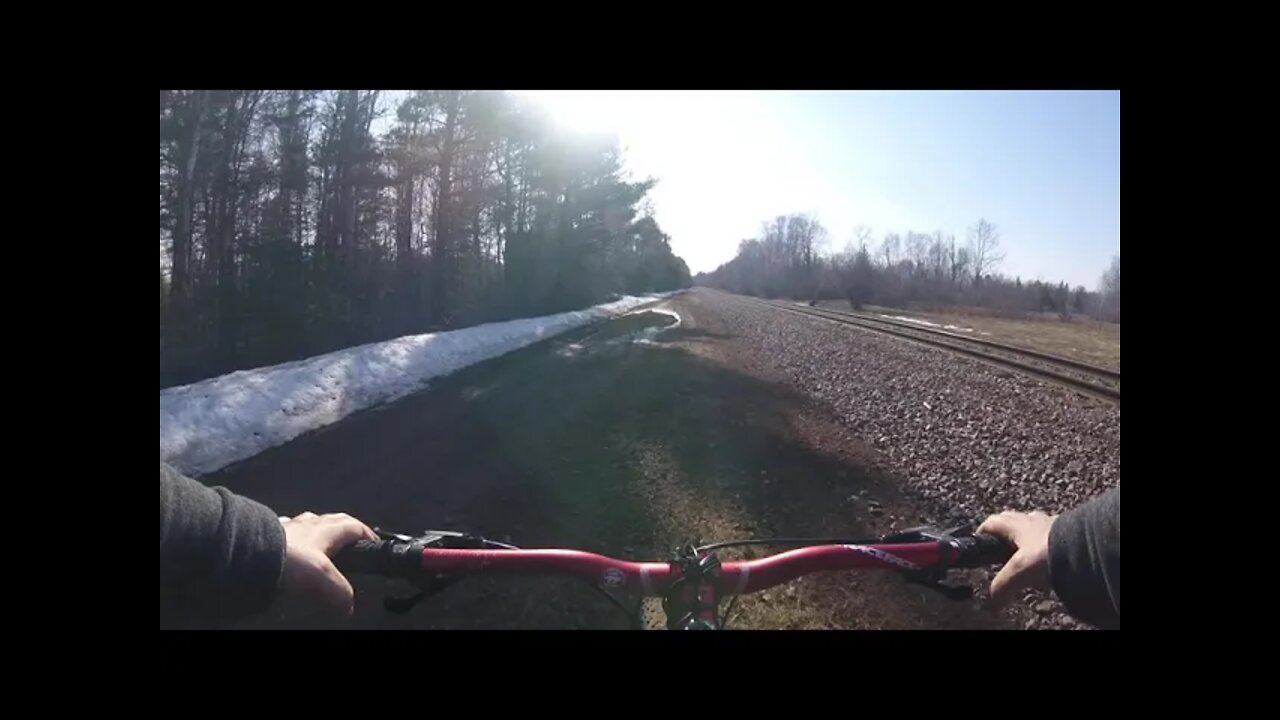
622 448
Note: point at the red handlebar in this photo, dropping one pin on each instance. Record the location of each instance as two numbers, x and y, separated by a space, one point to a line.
655 578
691 584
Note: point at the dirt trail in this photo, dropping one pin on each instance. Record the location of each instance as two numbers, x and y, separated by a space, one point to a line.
622 439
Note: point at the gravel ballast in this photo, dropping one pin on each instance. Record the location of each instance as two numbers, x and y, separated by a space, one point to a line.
966 438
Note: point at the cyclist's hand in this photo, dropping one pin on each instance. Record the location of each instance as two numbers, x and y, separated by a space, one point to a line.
1029 566
310 579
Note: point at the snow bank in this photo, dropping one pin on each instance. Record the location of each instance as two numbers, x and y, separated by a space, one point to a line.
213 423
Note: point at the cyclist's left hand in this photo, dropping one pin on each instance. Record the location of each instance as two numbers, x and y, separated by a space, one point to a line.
310 579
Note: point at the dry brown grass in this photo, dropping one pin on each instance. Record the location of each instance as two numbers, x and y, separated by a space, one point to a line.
1081 339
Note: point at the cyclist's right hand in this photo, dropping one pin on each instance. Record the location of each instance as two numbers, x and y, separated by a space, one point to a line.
1029 566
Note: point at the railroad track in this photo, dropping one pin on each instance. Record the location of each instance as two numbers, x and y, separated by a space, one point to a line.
1100 382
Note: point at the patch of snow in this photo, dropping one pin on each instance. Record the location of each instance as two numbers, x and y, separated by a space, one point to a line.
904 318
926 323
213 423
646 336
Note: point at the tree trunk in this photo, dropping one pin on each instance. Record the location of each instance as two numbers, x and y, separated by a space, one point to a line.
220 237
405 191
346 215
188 150
442 253
240 109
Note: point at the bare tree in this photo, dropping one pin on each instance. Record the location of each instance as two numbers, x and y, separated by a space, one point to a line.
819 239
890 248
932 268
1111 279
802 239
959 259
1109 288
861 236
984 248
918 252
938 256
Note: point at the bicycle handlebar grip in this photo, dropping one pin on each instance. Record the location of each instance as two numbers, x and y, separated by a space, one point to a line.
368 557
989 550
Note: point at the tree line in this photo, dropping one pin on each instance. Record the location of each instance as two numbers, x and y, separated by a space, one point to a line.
294 222
789 258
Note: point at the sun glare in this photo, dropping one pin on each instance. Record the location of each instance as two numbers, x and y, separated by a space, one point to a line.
583 110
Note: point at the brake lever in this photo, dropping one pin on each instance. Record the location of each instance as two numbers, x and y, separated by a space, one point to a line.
403 605
436 539
950 592
932 579
929 533
427 587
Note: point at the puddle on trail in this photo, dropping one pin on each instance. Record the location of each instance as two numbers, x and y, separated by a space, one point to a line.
640 327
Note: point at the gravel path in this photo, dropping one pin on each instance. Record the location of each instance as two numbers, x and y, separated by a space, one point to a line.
964 438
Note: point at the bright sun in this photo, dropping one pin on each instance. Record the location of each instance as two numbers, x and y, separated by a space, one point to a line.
590 111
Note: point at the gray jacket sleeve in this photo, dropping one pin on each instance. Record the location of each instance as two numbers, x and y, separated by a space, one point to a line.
221 555
1084 560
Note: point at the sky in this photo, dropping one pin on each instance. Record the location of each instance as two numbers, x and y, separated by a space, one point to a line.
1044 166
